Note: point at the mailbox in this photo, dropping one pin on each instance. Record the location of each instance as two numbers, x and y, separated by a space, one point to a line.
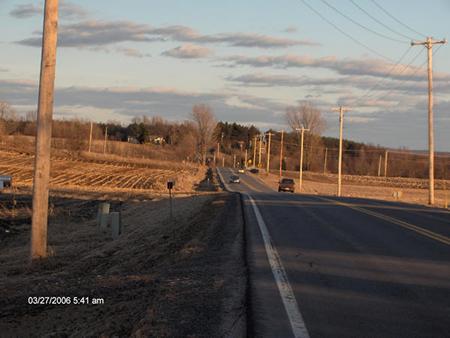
170 185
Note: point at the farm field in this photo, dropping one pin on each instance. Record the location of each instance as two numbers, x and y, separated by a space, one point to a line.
412 190
103 173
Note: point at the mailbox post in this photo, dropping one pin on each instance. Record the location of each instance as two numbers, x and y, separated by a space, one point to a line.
170 185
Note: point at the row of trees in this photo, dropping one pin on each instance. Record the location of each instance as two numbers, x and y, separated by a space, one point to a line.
200 137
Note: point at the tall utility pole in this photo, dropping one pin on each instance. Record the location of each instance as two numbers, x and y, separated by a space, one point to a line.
44 132
281 153
341 111
379 165
260 150
268 154
90 136
246 157
106 139
218 151
254 151
386 155
429 45
302 139
325 161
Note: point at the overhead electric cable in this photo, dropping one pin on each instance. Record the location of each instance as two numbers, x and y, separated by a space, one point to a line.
344 32
380 22
361 25
395 19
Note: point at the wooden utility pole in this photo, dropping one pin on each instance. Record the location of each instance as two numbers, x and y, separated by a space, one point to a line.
106 139
429 45
268 154
341 111
218 151
281 153
260 151
379 165
90 136
234 161
325 161
246 157
254 151
44 132
386 155
302 138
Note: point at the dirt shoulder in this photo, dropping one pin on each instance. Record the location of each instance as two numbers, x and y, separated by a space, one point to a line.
161 278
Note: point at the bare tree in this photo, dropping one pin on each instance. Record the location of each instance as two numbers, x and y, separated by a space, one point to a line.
205 122
308 116
7 118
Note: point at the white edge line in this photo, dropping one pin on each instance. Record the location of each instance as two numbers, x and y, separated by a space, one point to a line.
279 273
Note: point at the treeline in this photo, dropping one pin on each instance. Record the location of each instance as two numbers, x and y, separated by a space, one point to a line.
200 138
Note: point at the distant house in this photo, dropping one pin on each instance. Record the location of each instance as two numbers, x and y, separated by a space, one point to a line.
132 140
159 140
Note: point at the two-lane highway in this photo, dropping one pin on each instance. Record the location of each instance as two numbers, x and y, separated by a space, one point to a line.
323 266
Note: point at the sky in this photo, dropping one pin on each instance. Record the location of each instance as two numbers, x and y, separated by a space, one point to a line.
249 60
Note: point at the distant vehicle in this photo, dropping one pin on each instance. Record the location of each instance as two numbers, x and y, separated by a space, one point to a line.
286 184
241 171
254 170
234 179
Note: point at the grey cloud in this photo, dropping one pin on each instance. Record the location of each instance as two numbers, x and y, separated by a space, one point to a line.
129 102
369 67
26 11
95 33
188 51
88 33
290 29
67 10
132 52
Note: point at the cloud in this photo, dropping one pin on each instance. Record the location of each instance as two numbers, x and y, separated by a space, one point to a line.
95 33
132 52
188 51
91 32
369 67
26 11
3 70
290 29
67 10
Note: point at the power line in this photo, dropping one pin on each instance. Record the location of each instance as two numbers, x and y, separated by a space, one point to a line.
361 25
344 32
380 22
395 19
366 94
409 78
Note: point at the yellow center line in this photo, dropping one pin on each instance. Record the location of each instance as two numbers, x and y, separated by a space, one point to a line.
251 186
430 234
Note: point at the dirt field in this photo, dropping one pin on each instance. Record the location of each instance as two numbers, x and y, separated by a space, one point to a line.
103 173
161 278
365 187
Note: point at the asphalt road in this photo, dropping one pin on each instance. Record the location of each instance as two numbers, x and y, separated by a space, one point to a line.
352 267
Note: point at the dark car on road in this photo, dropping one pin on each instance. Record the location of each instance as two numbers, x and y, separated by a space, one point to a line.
286 184
254 170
